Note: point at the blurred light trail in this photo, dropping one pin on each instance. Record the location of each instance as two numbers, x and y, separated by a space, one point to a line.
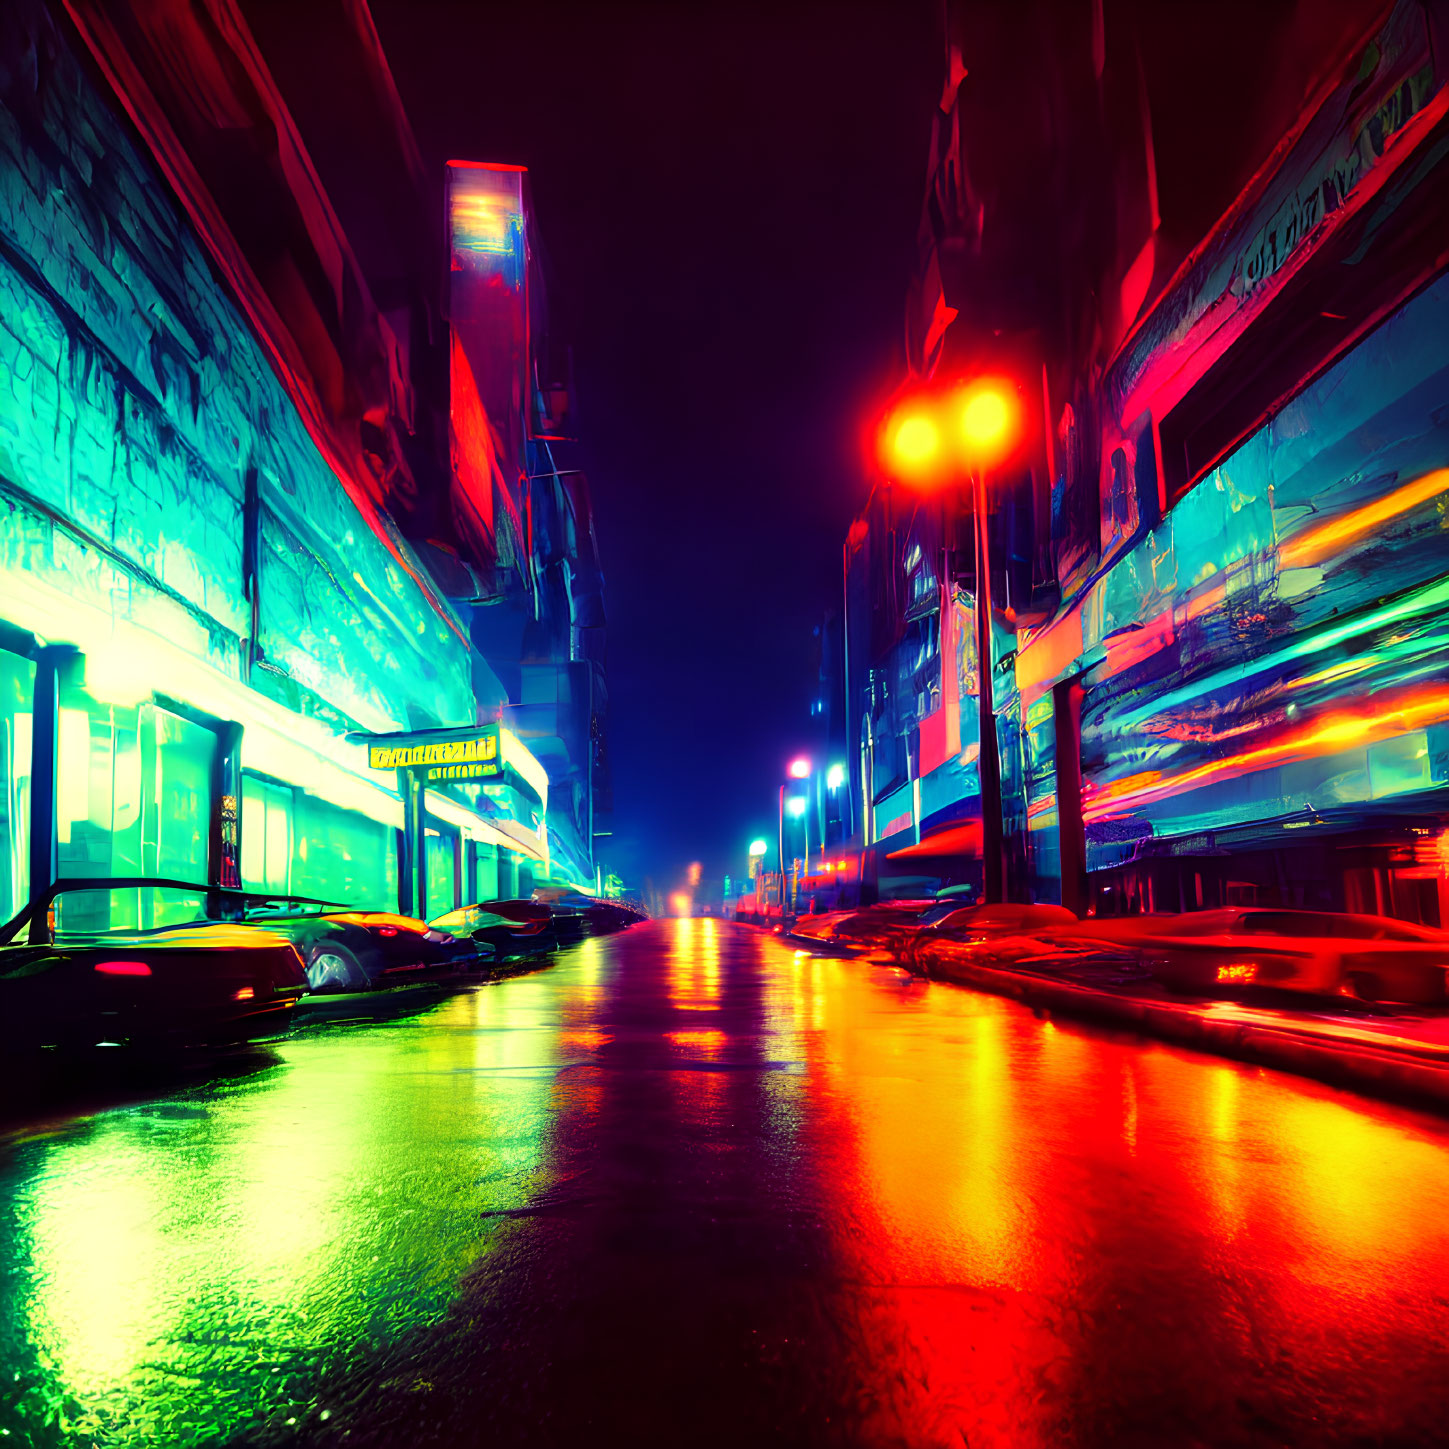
1331 537
1335 730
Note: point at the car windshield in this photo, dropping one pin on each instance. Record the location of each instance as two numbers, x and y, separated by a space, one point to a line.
86 912
940 912
274 906
1007 917
470 918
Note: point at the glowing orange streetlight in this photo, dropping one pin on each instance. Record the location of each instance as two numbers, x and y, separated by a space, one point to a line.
989 416
915 443
930 436
930 440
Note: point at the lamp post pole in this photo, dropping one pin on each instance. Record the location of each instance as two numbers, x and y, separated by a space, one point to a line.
983 417
782 850
988 762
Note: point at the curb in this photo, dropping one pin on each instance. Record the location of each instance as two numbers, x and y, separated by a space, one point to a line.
1395 1074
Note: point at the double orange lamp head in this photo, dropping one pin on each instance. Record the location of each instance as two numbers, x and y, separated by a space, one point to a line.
929 437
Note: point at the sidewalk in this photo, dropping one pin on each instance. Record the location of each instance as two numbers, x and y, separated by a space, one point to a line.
1400 1053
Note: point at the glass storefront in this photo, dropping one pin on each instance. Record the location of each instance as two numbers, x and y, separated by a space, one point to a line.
485 874
17 689
135 795
266 836
339 855
442 869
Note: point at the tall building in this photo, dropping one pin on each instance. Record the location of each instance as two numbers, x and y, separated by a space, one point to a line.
257 514
1220 565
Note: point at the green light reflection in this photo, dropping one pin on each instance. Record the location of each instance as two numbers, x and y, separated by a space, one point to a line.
173 1272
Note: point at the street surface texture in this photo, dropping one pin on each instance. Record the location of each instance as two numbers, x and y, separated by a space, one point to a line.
692 1187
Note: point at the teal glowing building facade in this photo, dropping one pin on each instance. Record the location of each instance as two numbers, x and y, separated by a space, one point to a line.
236 525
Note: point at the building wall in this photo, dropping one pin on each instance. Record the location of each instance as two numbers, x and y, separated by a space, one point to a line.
218 613
138 404
1237 627
1277 646
1259 646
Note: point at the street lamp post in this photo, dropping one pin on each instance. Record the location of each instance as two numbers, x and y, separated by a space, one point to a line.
782 849
988 761
797 769
927 441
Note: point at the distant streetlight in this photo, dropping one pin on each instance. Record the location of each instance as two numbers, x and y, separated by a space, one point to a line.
759 847
795 806
798 769
940 439
835 777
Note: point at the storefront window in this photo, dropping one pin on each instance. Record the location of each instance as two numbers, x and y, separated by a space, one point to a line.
266 836
178 814
17 689
485 878
134 797
442 869
339 855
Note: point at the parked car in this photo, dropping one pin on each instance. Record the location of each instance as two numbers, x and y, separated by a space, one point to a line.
509 929
599 918
625 913
571 911
952 919
349 950
885 927
1374 958
1009 930
128 960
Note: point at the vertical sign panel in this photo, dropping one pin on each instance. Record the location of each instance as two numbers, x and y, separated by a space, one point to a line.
488 312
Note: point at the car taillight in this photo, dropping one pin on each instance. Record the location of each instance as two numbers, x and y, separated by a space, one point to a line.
243 993
1239 971
387 930
123 968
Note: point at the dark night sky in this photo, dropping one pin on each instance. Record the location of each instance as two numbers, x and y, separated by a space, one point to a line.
727 198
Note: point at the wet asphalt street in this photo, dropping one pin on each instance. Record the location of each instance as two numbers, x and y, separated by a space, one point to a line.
687 1187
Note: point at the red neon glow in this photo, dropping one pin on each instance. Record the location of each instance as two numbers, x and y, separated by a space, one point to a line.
123 968
486 166
474 444
798 769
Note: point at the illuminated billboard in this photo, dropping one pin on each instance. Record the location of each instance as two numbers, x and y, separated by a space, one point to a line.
489 344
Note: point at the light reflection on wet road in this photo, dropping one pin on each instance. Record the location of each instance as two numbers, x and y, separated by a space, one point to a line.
688 1186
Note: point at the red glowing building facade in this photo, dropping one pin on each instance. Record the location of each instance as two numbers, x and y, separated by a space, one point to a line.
1220 567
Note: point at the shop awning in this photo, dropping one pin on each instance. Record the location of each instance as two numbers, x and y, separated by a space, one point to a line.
505 834
955 840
